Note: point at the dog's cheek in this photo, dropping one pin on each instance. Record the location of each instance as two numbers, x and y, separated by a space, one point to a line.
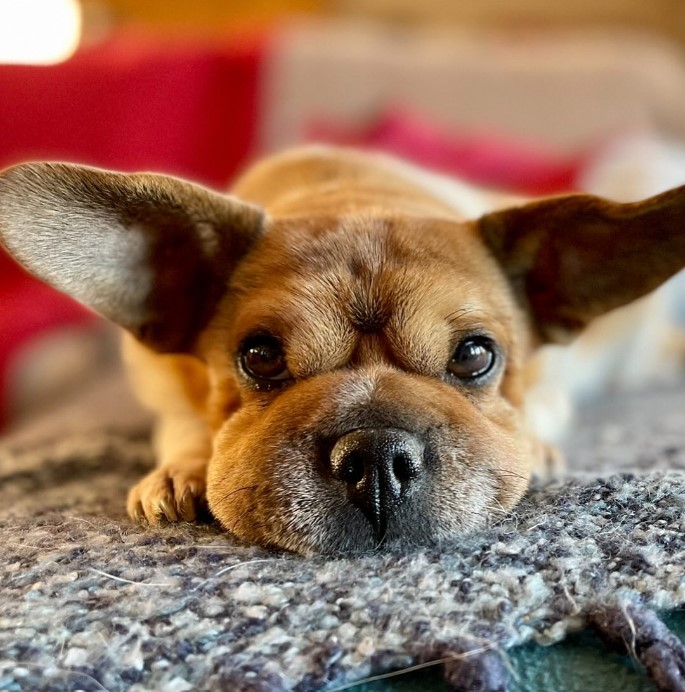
480 479
265 484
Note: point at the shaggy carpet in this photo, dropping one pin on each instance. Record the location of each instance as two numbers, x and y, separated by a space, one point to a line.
90 601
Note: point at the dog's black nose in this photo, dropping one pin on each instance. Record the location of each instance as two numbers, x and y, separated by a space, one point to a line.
379 467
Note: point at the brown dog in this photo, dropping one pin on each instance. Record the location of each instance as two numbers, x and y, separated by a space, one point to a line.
337 354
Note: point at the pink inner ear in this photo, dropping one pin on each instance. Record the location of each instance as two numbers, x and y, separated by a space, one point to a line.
149 252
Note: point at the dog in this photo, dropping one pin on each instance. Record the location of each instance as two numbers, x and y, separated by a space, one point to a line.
339 352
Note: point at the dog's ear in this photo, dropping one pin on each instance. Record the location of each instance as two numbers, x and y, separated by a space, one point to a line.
573 258
149 252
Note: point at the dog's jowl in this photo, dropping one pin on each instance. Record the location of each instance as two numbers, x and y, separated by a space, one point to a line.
338 352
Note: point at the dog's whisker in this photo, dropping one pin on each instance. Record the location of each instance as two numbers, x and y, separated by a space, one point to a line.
237 490
381 541
508 472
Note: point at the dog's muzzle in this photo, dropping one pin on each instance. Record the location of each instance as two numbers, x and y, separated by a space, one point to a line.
380 467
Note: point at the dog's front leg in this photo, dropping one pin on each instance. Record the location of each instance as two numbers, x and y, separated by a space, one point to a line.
175 388
174 491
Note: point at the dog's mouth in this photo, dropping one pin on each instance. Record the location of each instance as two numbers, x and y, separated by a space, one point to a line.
381 489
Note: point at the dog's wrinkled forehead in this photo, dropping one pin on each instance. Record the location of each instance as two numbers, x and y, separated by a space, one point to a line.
331 287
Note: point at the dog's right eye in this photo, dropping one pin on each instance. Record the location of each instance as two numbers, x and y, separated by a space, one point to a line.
474 358
262 359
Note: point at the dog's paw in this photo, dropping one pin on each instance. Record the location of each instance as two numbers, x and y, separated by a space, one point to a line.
173 492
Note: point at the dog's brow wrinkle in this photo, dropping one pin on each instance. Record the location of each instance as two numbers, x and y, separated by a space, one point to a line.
367 312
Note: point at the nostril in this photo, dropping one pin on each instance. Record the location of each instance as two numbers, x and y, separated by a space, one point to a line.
352 469
405 467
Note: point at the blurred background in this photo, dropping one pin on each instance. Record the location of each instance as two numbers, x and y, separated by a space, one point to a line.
534 96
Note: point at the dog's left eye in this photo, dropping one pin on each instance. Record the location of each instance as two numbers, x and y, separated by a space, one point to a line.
473 358
263 360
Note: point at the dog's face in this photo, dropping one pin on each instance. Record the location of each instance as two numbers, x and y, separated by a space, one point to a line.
366 370
377 365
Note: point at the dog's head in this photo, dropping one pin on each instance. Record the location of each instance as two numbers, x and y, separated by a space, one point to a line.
366 370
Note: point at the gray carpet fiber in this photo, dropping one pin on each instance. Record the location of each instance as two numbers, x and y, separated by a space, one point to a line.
89 601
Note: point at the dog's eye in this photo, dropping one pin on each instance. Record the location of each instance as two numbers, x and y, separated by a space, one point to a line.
473 358
262 359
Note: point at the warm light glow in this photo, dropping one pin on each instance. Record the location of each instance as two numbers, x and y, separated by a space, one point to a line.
38 32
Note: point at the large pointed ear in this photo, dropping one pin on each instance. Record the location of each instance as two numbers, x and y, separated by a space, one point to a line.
571 259
149 252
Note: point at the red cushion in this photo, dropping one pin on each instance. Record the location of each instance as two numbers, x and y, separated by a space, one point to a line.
133 103
488 159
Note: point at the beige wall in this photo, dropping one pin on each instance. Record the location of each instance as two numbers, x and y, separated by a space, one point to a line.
663 16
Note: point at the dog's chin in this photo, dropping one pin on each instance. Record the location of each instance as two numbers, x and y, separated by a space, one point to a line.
326 524
350 534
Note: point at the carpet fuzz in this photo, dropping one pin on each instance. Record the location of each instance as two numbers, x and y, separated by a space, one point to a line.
91 601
